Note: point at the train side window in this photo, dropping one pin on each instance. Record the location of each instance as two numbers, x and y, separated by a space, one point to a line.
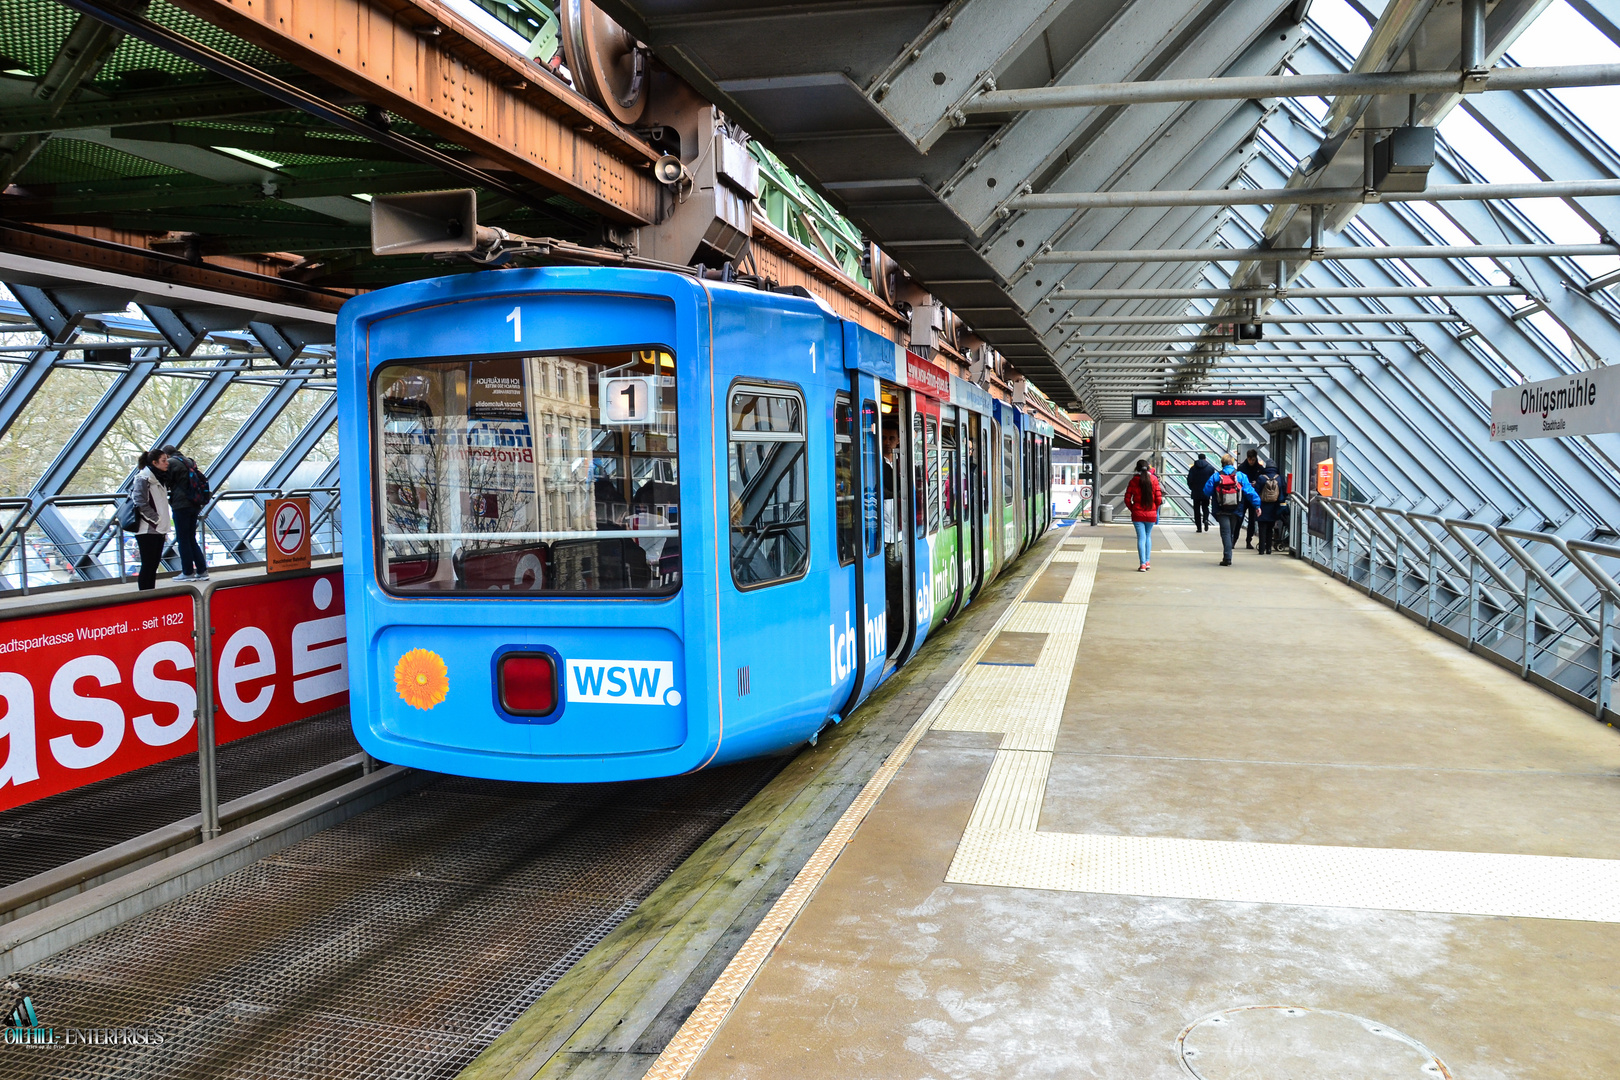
770 510
986 463
869 477
948 471
844 494
931 441
919 474
1008 453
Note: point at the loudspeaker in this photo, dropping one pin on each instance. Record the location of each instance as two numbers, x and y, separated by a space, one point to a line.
424 222
668 169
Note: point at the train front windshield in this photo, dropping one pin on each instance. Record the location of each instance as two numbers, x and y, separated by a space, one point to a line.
548 474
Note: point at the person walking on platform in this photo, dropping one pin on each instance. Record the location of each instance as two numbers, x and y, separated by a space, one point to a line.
1143 496
1197 476
188 491
1251 468
1273 501
152 514
1233 496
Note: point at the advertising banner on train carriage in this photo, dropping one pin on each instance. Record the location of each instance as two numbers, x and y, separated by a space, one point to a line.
87 695
925 377
278 653
967 395
1587 403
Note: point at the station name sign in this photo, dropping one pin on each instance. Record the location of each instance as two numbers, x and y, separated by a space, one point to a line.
1199 407
1587 403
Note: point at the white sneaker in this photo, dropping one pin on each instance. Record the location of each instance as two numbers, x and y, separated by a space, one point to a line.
184 577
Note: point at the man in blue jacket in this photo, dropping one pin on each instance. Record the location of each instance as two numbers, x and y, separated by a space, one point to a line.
1197 476
1232 495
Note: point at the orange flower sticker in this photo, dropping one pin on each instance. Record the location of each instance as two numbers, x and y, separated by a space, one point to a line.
421 678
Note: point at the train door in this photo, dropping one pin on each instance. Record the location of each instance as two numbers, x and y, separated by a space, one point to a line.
858 650
897 547
1042 473
930 573
972 515
990 484
1031 463
1008 515
950 535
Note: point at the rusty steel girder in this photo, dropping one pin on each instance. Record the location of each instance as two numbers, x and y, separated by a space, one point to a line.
420 60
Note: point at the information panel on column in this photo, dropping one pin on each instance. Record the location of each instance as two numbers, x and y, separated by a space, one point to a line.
1199 407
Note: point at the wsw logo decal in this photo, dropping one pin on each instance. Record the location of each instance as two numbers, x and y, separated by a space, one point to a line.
623 682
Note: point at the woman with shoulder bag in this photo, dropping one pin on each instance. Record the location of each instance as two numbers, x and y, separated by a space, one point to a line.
151 501
1143 497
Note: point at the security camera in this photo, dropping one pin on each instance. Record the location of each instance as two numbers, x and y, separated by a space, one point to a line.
668 169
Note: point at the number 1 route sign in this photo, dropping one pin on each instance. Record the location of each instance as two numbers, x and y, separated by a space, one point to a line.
286 541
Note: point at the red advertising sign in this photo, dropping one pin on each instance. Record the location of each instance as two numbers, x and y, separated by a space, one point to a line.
923 376
280 653
91 694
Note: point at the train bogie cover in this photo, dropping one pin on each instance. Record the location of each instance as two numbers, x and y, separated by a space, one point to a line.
518 447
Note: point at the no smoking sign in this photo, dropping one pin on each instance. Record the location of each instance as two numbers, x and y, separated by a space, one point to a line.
286 544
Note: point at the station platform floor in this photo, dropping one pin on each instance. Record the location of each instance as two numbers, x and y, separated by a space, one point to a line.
1206 821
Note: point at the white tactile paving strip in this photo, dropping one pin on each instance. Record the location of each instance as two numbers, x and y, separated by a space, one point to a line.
1003 846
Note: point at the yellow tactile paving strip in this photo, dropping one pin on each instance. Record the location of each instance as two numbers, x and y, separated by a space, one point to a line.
1002 846
698 1031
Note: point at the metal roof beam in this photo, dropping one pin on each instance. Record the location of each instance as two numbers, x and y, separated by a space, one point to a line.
1198 318
1295 293
1333 254
1144 40
1255 88
1228 339
1071 200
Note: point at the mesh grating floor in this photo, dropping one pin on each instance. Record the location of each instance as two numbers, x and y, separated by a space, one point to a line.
397 944
56 830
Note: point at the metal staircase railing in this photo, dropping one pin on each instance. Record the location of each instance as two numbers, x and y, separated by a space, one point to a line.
1539 604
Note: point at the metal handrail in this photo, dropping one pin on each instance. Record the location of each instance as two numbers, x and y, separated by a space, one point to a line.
1368 525
1454 525
12 537
1547 581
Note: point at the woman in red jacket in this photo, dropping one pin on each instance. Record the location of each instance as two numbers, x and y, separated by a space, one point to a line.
1143 497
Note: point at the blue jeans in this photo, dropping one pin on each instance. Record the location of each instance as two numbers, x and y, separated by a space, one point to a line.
1144 540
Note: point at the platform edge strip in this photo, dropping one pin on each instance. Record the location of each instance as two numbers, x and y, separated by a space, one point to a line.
683 1051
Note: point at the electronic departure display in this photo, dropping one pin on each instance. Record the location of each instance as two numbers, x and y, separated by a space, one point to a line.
1200 407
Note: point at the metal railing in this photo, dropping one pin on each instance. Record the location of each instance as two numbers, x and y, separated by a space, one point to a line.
26 560
1539 604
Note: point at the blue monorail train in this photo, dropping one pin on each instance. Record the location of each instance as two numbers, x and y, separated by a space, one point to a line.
630 523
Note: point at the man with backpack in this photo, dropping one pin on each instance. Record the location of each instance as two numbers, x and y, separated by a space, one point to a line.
1251 469
1233 497
188 495
1197 476
1273 501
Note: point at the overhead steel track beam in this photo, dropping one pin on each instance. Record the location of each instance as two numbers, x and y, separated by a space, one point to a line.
1086 200
79 58
172 104
466 104
1255 88
1333 254
1277 294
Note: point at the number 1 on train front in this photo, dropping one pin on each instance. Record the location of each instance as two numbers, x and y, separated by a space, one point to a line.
626 399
